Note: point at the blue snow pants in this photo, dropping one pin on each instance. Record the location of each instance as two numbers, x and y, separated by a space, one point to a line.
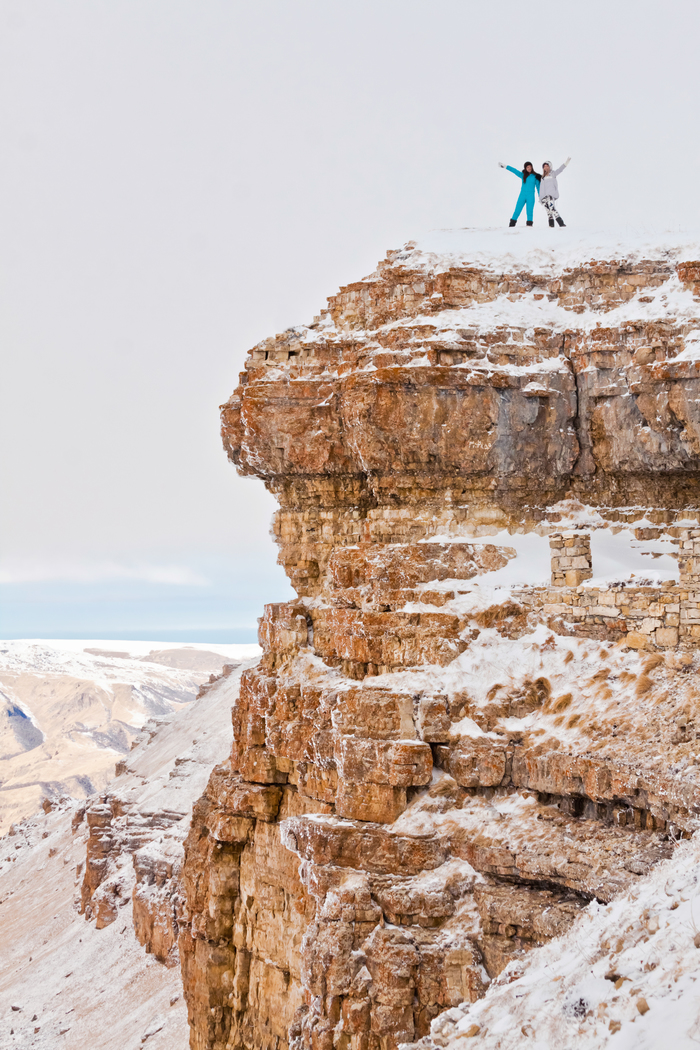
525 200
527 195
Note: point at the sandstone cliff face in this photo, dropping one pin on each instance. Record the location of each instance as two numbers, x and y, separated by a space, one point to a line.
435 766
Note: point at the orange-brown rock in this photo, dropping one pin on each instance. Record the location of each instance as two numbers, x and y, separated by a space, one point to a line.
429 779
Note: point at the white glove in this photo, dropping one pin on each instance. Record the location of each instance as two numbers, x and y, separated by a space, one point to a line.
501 165
567 161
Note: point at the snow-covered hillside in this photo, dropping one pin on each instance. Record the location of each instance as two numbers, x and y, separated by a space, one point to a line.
627 975
70 709
64 982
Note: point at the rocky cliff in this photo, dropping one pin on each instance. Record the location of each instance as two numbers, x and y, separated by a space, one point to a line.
464 729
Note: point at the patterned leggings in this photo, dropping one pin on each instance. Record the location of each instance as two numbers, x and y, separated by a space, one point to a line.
550 206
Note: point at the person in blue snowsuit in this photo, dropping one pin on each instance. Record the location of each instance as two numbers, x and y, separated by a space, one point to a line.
530 182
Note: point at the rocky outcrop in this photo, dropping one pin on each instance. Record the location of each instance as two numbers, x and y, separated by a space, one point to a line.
435 767
128 857
136 829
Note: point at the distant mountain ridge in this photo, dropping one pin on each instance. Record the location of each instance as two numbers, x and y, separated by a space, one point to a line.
68 710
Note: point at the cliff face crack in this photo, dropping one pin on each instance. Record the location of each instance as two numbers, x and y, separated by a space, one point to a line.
430 778
584 463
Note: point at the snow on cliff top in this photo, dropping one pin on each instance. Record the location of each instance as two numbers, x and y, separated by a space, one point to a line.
540 249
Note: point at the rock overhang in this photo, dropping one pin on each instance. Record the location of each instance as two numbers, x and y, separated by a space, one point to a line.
397 379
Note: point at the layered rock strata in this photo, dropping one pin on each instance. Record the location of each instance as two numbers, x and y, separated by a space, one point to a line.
436 766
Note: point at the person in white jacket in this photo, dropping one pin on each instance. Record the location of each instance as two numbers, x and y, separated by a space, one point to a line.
549 190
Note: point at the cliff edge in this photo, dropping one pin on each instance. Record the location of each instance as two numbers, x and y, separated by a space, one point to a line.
479 715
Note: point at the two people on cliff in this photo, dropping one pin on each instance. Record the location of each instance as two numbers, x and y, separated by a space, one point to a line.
546 186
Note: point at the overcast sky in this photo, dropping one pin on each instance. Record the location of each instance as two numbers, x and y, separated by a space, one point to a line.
183 178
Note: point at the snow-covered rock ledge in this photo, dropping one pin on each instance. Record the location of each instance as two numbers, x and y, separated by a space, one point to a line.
629 969
541 250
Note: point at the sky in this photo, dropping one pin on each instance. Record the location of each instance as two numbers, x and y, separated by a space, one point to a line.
182 178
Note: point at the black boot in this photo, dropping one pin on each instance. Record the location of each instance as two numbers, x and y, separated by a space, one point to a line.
529 222
551 222
512 222
561 221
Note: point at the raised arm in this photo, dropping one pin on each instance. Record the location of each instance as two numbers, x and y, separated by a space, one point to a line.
558 171
515 171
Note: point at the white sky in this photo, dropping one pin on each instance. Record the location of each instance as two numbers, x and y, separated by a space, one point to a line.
181 178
